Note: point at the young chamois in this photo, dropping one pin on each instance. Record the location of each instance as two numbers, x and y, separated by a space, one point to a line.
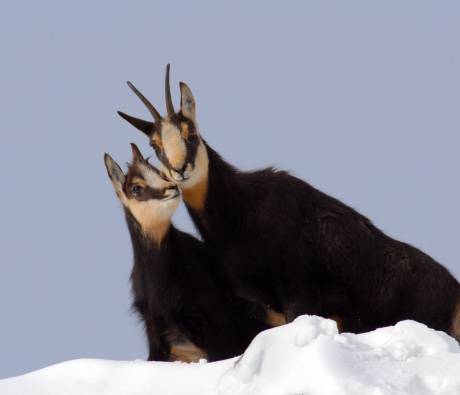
288 246
185 315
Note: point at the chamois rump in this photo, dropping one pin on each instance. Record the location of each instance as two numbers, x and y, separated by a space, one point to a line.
185 314
290 247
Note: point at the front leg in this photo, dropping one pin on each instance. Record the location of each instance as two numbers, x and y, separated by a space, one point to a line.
154 330
264 312
303 301
159 349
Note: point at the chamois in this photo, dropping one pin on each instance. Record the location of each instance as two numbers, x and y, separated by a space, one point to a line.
291 247
185 314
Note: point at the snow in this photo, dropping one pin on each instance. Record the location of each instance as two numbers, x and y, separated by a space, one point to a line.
307 356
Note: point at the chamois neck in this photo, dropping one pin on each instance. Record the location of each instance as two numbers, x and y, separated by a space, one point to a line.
221 207
209 168
221 174
147 237
195 190
157 232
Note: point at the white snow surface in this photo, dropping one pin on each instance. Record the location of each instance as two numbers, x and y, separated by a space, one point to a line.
306 357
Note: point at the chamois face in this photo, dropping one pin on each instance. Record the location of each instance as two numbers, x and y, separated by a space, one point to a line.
176 144
145 192
175 137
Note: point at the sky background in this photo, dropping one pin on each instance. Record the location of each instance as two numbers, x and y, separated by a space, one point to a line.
359 98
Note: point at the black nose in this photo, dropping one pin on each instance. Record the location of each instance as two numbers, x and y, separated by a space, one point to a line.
181 170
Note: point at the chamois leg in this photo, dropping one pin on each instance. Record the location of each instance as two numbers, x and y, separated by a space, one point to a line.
340 307
263 315
303 301
349 322
158 349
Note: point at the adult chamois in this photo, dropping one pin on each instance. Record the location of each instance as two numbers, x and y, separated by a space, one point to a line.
185 314
287 245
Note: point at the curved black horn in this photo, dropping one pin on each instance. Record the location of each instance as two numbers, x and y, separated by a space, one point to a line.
156 115
137 155
169 103
144 126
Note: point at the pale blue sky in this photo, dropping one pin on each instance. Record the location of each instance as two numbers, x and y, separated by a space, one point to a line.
360 98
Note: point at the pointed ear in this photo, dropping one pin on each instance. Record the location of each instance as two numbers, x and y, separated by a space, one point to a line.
137 155
187 101
144 126
115 173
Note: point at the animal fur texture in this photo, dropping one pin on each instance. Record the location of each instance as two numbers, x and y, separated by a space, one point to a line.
287 246
177 296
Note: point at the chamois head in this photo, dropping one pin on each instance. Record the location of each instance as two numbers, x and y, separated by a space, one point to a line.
174 137
145 192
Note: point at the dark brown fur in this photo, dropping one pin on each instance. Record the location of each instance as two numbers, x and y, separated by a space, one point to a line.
292 247
177 299
289 247
176 291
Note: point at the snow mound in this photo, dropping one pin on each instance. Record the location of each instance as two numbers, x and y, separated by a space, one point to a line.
310 357
307 356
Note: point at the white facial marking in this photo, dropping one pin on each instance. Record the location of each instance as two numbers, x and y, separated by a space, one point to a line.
173 145
153 215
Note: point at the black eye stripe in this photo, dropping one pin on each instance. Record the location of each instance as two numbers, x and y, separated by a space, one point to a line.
192 150
151 193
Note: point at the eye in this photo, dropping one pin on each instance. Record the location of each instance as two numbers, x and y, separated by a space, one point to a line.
136 190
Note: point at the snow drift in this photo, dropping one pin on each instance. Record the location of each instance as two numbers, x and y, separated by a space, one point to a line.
307 356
